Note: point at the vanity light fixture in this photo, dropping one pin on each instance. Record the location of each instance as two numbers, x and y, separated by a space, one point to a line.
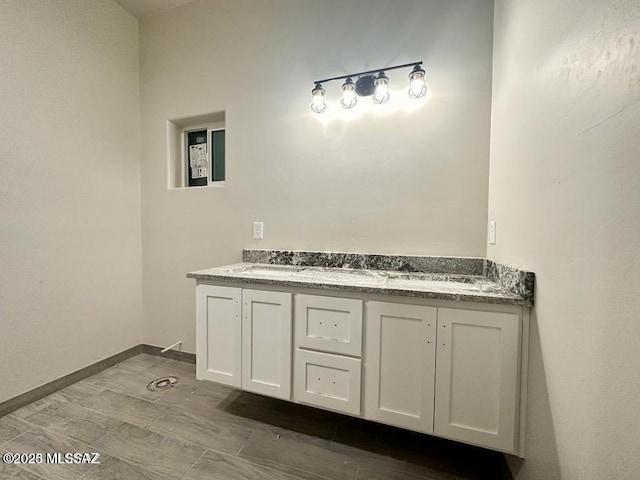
317 102
349 99
372 83
381 95
417 88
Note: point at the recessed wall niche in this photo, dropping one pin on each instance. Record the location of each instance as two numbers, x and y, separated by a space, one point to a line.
196 151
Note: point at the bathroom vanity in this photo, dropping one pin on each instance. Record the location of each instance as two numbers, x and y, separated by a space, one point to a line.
431 344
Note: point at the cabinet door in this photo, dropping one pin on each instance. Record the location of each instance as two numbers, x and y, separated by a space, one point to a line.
400 364
329 324
266 343
477 377
218 334
328 381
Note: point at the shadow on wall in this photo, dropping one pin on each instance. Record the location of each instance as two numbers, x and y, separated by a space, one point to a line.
540 433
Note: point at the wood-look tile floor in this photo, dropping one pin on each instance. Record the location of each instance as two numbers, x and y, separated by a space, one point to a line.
202 431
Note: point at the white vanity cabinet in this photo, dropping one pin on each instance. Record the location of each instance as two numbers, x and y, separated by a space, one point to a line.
243 339
477 373
327 381
453 372
329 324
446 368
219 334
328 347
266 343
400 365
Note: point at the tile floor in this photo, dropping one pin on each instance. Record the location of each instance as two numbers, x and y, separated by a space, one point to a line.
198 431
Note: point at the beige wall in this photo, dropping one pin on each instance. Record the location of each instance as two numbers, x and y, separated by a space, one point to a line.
69 188
405 178
564 183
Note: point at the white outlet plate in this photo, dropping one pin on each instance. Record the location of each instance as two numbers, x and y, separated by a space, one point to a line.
258 230
492 232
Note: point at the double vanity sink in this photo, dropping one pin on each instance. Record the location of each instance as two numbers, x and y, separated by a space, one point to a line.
437 345
474 288
378 278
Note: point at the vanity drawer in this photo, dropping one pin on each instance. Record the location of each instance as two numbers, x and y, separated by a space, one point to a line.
329 324
327 381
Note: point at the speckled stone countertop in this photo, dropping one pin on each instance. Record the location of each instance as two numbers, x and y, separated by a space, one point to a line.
458 279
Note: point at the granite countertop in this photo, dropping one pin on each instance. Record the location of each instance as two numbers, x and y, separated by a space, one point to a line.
401 277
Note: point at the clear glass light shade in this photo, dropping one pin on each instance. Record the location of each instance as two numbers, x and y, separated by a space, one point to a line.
381 94
417 88
349 99
317 99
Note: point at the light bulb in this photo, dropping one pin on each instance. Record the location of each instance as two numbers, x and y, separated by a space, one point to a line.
381 94
317 99
349 99
417 88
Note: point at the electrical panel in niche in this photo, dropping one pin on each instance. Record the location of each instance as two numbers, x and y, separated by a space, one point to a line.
196 151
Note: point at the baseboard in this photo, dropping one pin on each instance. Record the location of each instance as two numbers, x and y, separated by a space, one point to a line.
31 396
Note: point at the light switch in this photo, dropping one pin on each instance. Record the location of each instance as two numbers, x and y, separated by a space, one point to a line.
492 232
258 230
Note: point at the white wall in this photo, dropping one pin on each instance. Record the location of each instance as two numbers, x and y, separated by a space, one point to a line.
564 183
70 290
409 177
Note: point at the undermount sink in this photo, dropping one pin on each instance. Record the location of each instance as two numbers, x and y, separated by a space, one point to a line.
268 270
273 272
300 272
424 283
375 278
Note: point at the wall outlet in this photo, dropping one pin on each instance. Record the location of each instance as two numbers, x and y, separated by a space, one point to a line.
258 230
492 232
